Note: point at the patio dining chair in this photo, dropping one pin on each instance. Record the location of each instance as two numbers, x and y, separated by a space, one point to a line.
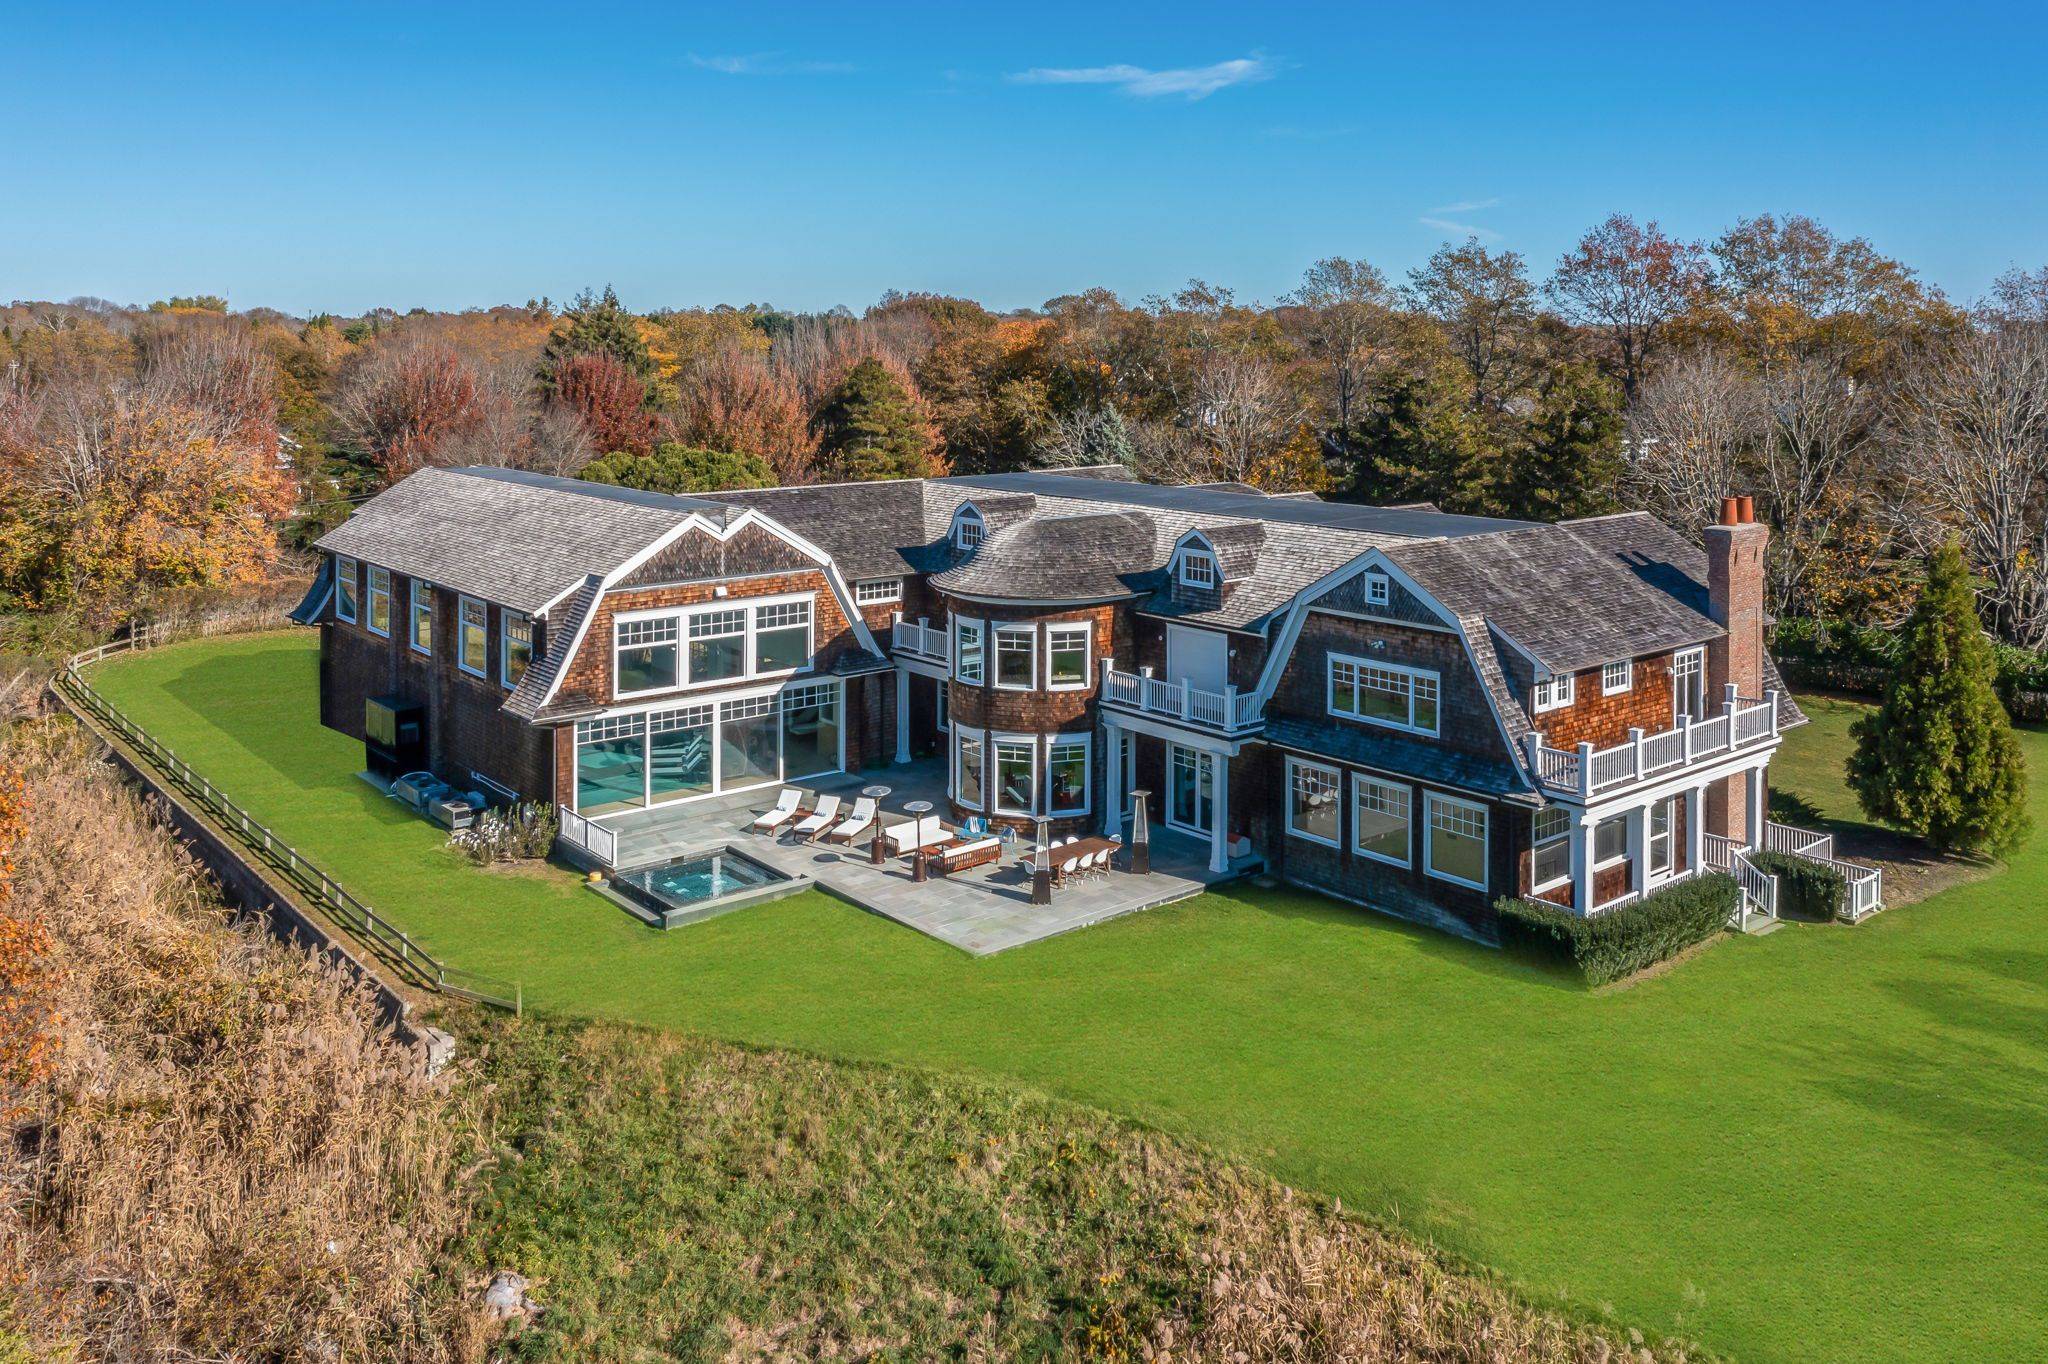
783 811
1067 869
821 818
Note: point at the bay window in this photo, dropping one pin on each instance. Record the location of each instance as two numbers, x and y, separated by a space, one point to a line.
1379 820
1066 776
967 771
1455 845
1066 657
967 656
1017 776
1016 657
1383 694
1312 811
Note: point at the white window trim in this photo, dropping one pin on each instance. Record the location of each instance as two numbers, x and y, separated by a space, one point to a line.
878 592
750 607
1087 745
1536 886
370 591
1609 687
1593 843
462 602
1337 789
1200 756
505 615
960 736
1087 627
1431 799
993 790
1190 557
354 584
1330 693
979 629
412 617
1030 632
1553 691
1359 781
1696 656
968 515
1378 589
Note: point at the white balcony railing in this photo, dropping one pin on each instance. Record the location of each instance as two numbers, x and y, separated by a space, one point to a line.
1228 711
914 637
600 842
1587 771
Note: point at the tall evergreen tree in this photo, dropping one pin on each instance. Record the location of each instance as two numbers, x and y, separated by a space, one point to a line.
596 324
1569 459
870 427
1421 441
1939 757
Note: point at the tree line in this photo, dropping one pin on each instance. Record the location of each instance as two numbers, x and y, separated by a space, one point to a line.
181 446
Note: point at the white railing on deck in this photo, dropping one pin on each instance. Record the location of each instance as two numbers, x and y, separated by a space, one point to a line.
1587 770
1862 893
1759 887
1785 838
1228 710
1718 852
600 842
925 641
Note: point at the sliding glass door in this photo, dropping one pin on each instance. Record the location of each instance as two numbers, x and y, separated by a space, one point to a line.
626 762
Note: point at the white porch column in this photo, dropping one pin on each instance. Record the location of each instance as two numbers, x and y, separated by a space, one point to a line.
1695 829
1113 780
902 715
1639 850
1753 793
1219 822
1582 863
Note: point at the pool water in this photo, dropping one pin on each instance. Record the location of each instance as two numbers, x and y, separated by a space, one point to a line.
694 880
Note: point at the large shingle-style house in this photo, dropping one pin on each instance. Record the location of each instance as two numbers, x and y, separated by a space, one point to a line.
1413 710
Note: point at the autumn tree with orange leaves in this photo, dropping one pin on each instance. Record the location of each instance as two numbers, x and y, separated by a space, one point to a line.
25 969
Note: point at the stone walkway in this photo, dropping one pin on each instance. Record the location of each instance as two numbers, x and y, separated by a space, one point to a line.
981 911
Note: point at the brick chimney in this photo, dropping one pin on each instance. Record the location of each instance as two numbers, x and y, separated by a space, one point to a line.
1735 599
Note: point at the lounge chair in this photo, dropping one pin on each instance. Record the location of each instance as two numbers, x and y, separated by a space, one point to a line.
855 824
783 811
821 818
908 838
961 856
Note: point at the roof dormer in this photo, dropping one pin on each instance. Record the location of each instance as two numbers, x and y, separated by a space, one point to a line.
969 528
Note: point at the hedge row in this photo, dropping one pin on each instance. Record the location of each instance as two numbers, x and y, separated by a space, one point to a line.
1806 888
1861 658
1620 942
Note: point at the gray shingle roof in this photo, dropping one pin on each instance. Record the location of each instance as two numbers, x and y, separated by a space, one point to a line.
529 699
1389 752
1237 545
1095 556
1555 595
871 530
511 537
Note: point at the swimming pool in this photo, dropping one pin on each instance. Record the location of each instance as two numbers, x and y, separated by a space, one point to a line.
701 884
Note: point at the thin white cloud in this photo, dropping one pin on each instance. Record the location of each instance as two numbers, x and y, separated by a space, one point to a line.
1465 206
765 64
1445 225
1191 82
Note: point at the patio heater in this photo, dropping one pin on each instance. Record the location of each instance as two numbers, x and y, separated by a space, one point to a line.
1041 869
1141 835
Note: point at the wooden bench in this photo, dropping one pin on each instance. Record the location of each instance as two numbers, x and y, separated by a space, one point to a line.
963 856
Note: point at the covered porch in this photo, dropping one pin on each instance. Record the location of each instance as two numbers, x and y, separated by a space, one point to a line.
981 910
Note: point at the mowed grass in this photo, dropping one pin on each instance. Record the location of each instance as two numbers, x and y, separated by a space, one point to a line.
1827 1143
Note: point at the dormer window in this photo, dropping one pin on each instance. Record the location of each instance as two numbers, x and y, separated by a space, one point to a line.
1375 589
1553 692
969 530
1198 568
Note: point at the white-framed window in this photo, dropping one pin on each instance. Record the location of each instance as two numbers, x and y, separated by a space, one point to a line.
969 530
718 645
1067 656
515 646
969 770
1380 821
647 655
1383 694
1658 844
1454 846
473 636
1376 589
878 591
1616 678
1066 774
1017 776
782 637
1610 841
1197 567
1550 848
1689 685
1553 691
344 589
1312 795
422 634
1016 657
380 601
968 662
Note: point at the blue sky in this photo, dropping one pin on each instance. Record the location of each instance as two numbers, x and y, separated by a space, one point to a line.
337 158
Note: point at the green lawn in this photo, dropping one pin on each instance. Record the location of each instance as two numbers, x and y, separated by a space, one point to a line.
1824 1143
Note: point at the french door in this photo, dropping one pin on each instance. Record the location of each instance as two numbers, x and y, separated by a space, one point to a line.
1191 789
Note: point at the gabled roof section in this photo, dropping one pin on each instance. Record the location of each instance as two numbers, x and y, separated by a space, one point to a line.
515 538
1236 544
566 628
871 530
1096 556
1559 598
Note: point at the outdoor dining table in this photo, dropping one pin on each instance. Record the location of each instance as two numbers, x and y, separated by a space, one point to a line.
1080 847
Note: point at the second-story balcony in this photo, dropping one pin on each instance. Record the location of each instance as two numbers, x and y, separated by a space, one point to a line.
1229 711
933 643
1587 771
